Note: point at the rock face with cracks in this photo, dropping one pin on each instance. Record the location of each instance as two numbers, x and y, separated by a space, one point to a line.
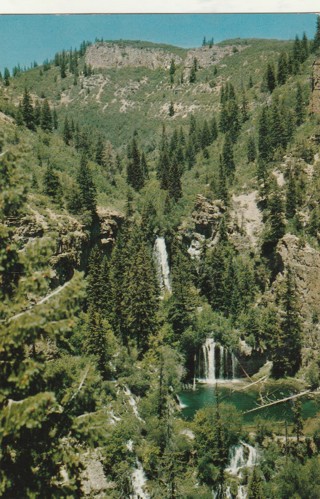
304 262
70 235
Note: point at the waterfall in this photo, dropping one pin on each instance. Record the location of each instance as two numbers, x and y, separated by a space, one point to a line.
161 258
209 364
139 480
133 403
181 404
216 363
221 370
234 363
242 456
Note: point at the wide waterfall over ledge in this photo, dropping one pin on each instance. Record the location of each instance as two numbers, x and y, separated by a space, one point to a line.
216 363
161 258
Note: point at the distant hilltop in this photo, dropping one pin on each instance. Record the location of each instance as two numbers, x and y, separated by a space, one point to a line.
118 54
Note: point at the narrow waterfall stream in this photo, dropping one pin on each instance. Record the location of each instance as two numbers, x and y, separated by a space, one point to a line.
216 362
241 456
138 478
161 258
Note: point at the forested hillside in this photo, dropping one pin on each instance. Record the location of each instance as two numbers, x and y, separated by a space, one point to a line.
160 244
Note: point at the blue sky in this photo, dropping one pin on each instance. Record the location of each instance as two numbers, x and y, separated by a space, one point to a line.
28 38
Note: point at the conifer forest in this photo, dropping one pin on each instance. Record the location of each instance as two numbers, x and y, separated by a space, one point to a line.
160 271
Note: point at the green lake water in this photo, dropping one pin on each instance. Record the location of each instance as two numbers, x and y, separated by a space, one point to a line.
204 395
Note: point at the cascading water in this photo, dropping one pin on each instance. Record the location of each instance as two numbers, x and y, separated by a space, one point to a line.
163 270
138 478
242 456
216 362
139 481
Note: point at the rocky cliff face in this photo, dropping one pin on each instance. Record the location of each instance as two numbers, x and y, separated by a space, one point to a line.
315 97
304 262
110 55
203 225
244 225
72 240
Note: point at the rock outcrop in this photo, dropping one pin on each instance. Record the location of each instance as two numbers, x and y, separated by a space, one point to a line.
207 216
315 97
72 240
247 218
203 225
304 262
110 55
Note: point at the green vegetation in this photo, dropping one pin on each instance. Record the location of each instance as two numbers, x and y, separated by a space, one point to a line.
221 159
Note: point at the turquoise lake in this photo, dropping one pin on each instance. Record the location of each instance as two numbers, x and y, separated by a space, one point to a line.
204 395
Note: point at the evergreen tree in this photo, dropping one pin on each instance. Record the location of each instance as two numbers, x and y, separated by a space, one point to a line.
193 72
135 176
264 141
291 200
37 113
144 166
163 161
205 135
46 117
27 110
251 149
296 55
275 221
304 47
270 78
12 197
171 109
67 133
213 129
6 77
299 108
314 222
119 268
212 277
172 70
99 152
277 133
255 486
51 183
244 108
297 419
63 65
55 119
227 156
222 188
95 295
181 307
316 40
87 189
282 74
140 298
286 345
190 154
174 182
34 427
19 115
98 338
230 113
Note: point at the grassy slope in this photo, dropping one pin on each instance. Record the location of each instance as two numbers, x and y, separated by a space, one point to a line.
117 101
